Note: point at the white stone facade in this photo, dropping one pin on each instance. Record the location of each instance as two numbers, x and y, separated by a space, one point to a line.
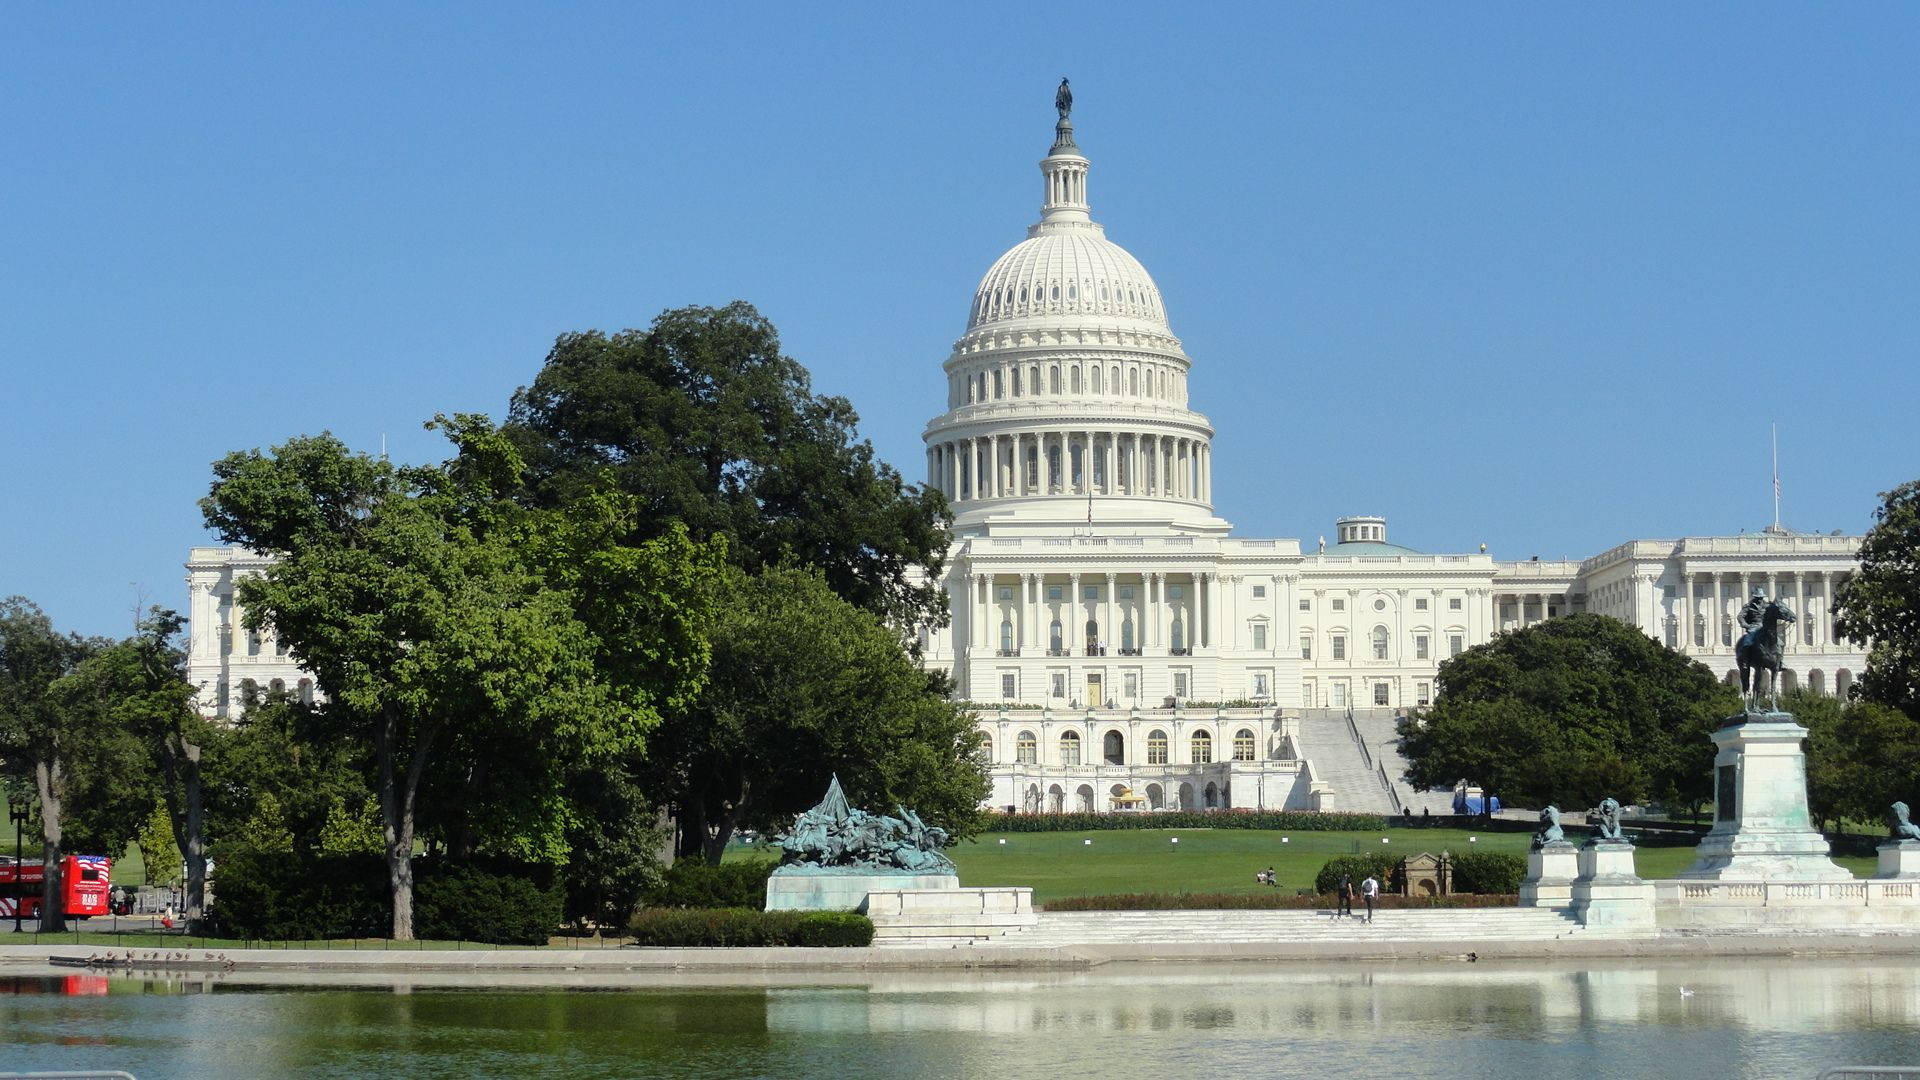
224 660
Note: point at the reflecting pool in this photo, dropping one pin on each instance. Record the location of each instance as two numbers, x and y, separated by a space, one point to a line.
1714 1018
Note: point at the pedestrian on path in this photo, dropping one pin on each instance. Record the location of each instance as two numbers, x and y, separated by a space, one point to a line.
1346 896
1370 889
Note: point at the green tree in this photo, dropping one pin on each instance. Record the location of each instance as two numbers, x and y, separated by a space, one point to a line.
1881 603
273 779
805 685
158 848
351 830
706 422
1571 711
1862 756
442 619
41 730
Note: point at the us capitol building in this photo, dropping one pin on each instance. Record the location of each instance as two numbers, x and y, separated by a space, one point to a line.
1122 648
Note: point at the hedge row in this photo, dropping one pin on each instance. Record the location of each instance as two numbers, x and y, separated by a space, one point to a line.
1487 872
1263 901
1283 820
283 896
737 927
695 883
1378 865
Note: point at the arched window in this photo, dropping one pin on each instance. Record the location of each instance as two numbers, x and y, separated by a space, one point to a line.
1006 637
1157 748
1016 382
1202 746
1113 380
277 686
1053 379
1026 748
1093 639
1056 642
1094 375
1133 381
1243 745
1070 748
1033 379
999 386
1379 643
306 691
1113 747
1076 379
1179 634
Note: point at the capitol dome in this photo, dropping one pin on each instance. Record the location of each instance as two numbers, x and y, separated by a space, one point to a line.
1067 394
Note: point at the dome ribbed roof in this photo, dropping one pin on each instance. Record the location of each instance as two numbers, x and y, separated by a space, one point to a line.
1068 272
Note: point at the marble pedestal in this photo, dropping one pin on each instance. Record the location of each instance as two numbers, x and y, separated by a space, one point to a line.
837 890
1899 859
1550 873
1761 828
1608 892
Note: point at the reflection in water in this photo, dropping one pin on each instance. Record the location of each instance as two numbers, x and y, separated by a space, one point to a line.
1742 1018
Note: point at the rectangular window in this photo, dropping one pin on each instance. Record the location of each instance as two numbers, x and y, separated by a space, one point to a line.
1059 684
1379 693
1306 605
1339 646
1306 693
1006 592
1089 592
1420 603
1180 684
1126 592
1380 645
1131 680
1260 637
1339 695
1259 592
1453 603
1306 646
1339 604
1456 645
1260 686
1175 592
1419 646
1054 592
1425 693
1009 686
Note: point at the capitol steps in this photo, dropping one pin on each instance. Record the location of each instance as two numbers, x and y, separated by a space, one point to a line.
1327 742
1060 929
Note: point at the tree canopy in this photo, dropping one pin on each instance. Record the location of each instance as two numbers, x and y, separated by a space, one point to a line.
451 626
1571 711
1881 603
805 685
705 422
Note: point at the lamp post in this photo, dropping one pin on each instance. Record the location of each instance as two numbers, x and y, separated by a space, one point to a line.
18 809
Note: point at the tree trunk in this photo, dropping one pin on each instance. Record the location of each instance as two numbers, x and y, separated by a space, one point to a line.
716 843
181 760
49 775
396 812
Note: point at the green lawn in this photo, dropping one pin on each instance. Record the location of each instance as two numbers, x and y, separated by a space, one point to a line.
1225 860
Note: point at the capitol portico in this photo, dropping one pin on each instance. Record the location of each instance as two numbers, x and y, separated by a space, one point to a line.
1122 647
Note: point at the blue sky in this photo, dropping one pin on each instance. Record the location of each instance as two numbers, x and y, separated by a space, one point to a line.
1531 276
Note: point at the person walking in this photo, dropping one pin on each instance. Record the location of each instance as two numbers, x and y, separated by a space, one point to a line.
1370 889
1346 896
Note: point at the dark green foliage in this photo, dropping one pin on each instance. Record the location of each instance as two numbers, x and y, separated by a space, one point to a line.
746 927
1282 820
1382 866
1881 603
1263 901
613 846
695 883
1862 756
288 897
1571 711
706 422
1496 872
502 905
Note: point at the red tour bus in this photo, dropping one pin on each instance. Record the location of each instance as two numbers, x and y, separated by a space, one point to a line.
83 886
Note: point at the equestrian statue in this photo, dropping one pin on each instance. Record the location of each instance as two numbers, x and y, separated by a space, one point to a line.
1759 649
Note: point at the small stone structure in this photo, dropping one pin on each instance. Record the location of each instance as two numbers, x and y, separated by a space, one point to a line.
948 916
1551 868
1426 874
1607 891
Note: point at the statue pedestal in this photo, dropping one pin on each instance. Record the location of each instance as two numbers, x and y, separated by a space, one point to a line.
1550 873
1899 859
1761 828
815 889
1608 892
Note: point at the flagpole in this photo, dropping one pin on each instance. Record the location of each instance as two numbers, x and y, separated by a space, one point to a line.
1775 428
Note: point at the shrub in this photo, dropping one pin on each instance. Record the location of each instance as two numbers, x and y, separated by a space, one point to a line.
1261 901
498 903
692 883
1381 865
1284 820
1487 872
745 927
